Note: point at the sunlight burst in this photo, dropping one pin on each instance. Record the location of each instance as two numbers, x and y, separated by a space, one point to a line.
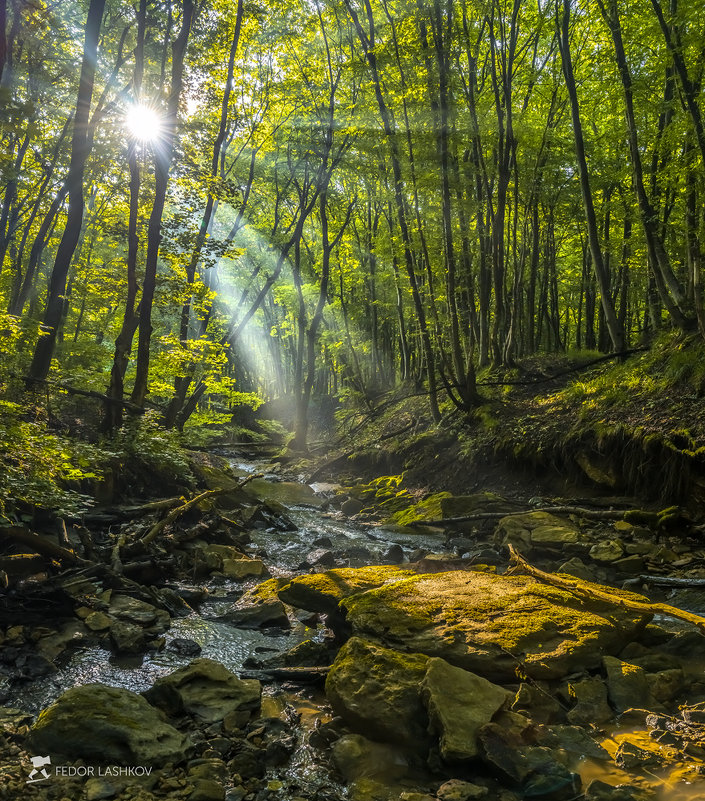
143 123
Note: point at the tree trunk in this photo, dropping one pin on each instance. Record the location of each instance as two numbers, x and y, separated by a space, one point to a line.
44 350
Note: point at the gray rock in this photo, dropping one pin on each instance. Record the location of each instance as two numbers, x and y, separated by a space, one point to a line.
95 722
321 556
206 690
573 739
459 703
352 507
601 791
607 551
127 638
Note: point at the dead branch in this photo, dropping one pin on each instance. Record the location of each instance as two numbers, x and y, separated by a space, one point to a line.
41 545
176 513
590 591
591 514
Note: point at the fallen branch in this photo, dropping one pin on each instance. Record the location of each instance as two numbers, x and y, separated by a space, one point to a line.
670 581
40 545
300 675
602 514
591 592
129 512
175 514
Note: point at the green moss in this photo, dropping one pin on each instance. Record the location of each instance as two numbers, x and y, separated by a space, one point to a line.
428 509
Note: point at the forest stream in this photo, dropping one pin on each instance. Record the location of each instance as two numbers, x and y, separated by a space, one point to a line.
597 728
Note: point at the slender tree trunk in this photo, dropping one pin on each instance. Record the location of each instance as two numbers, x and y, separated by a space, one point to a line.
162 162
80 147
601 273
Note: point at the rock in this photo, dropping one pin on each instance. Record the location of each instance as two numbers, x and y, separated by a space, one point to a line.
457 790
352 507
459 703
630 565
97 789
107 724
550 631
356 758
601 791
266 614
607 551
665 685
533 768
573 739
627 686
184 647
591 701
98 621
394 555
322 542
322 592
461 505
136 611
538 702
127 638
206 690
577 568
631 756
244 568
552 532
320 556
207 790
377 691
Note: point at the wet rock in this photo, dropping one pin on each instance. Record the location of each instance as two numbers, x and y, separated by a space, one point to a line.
577 568
260 607
459 703
95 722
539 702
462 545
127 638
534 769
394 555
461 505
320 556
601 791
591 705
322 542
630 756
30 665
548 630
458 790
573 739
321 592
377 691
11 718
206 690
98 621
356 758
184 647
135 611
308 653
248 762
607 551
627 686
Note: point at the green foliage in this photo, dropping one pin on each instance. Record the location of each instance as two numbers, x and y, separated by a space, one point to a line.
39 468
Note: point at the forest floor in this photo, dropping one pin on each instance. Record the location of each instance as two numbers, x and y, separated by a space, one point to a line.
562 424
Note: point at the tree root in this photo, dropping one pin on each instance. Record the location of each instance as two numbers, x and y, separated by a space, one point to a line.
591 591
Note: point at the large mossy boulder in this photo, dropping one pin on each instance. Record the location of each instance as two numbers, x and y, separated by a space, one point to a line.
540 531
378 691
206 690
322 592
108 725
491 624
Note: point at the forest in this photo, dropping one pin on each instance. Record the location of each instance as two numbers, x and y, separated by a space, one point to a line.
352 400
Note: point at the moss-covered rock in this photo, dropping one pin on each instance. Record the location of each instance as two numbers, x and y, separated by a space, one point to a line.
540 531
322 592
428 509
260 607
378 691
491 624
205 689
107 724
479 502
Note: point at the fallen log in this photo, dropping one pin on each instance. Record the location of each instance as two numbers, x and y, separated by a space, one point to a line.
176 513
669 581
301 675
590 591
591 514
40 545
